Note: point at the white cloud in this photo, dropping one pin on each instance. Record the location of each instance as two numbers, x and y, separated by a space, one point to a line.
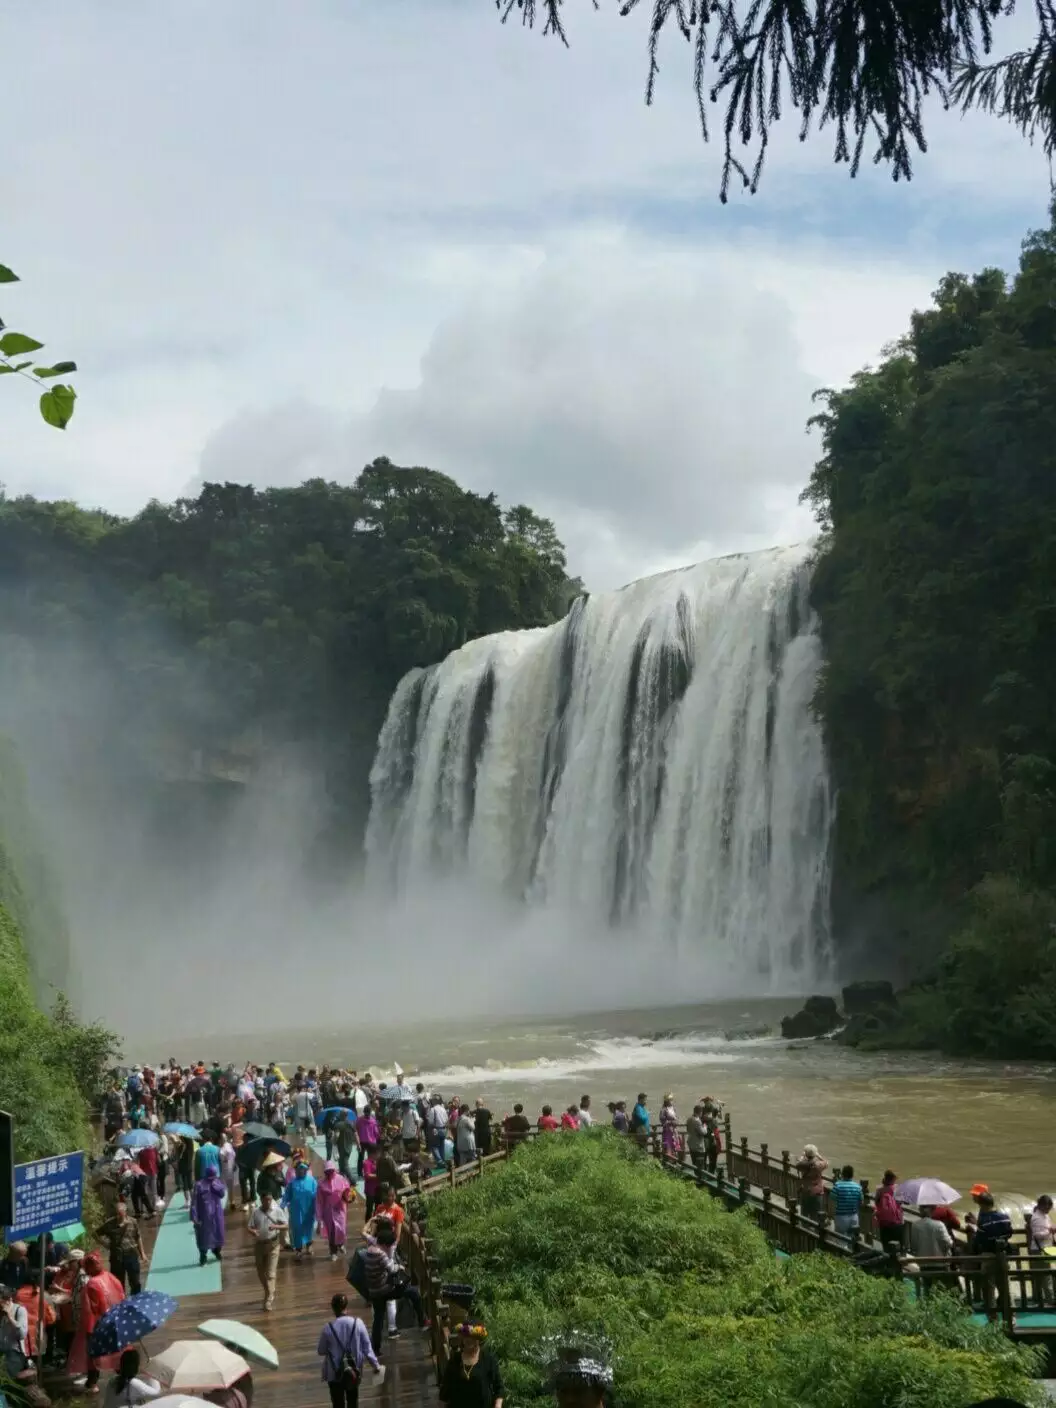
302 236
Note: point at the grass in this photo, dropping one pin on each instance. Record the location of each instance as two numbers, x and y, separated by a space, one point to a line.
581 1231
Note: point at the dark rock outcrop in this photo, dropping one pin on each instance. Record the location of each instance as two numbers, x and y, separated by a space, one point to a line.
818 1017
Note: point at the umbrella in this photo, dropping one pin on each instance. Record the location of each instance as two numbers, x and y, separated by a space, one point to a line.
333 1110
250 1152
192 1364
138 1139
175 1400
181 1127
397 1092
238 1336
926 1192
128 1321
255 1130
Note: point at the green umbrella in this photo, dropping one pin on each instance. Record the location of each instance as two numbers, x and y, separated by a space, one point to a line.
242 1337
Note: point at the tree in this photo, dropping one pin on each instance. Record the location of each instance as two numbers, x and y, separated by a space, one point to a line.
863 67
56 402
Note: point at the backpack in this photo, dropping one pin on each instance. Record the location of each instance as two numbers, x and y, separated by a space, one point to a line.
347 1368
357 1273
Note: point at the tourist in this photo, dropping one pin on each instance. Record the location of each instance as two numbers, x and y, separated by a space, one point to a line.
436 1129
547 1123
713 1125
332 1198
465 1137
100 1293
993 1227
129 1386
388 1281
947 1216
147 1159
68 1285
388 1207
14 1269
482 1118
641 1126
586 1119
368 1133
207 1159
888 1216
1041 1236
266 1225
620 1122
303 1112
126 1247
697 1138
570 1118
581 1379
670 1140
516 1127
410 1127
847 1199
14 1334
344 1346
228 1167
207 1215
184 1170
471 1378
930 1241
370 1185
299 1199
811 1167
28 1296
344 1143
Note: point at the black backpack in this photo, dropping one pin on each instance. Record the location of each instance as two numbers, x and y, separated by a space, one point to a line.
347 1368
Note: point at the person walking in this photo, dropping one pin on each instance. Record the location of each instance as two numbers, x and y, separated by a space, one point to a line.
207 1214
299 1199
332 1198
126 1248
388 1281
266 1224
345 1346
228 1168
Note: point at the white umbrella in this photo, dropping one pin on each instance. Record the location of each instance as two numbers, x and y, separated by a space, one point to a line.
175 1400
251 1342
926 1192
198 1364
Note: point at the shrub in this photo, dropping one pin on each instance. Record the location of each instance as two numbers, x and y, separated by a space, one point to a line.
583 1231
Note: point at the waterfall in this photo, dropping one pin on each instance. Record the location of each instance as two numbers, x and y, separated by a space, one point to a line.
651 763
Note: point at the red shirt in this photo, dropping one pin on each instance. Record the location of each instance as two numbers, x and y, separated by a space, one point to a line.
948 1217
568 1121
548 1123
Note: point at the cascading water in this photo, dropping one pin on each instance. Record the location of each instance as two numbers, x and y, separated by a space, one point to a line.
651 763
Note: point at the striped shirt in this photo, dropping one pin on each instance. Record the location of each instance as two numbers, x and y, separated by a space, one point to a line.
848 1196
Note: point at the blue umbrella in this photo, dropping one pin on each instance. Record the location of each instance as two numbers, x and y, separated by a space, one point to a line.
138 1139
129 1321
321 1115
180 1127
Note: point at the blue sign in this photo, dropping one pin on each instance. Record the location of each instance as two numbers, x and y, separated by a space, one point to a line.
47 1194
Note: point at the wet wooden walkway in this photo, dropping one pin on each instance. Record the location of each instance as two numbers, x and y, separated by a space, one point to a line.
302 1307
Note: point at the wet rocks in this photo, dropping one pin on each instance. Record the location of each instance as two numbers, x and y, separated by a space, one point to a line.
819 1016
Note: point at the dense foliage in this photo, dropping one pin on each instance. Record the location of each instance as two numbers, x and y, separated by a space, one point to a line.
863 67
935 580
51 1066
276 614
584 1232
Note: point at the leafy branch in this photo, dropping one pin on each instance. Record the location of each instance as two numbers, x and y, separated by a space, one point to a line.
56 402
862 66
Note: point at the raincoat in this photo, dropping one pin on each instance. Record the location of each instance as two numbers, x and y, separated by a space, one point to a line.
331 1207
207 1213
299 1200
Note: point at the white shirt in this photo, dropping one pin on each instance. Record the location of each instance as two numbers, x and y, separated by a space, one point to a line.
17 1318
929 1238
1040 1233
586 1119
302 1103
412 1121
267 1225
141 1389
466 1135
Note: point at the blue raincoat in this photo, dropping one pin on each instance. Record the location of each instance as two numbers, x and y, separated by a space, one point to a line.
299 1199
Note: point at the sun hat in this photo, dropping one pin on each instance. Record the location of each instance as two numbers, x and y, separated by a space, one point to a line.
979 1189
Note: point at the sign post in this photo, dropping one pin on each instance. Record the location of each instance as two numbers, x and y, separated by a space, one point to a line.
48 1194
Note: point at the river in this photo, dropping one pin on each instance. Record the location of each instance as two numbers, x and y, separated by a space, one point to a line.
963 1121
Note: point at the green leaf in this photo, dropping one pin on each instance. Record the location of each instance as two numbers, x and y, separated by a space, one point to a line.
59 369
56 406
7 276
6 370
14 342
21 366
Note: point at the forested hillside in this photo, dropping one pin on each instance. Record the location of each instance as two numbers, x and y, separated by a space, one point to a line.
936 586
245 618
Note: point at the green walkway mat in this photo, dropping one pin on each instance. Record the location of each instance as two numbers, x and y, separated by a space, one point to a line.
174 1265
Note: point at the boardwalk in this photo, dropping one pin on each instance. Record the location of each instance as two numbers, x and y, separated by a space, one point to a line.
302 1306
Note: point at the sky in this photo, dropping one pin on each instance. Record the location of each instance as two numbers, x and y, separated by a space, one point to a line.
281 240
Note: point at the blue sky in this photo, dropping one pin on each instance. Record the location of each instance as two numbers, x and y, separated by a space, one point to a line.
280 240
